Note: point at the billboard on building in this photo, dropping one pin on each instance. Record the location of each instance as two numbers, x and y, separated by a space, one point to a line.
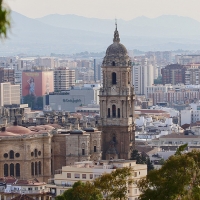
37 83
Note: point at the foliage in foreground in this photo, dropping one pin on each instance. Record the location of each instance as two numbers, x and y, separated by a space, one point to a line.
178 179
141 159
81 191
4 20
114 186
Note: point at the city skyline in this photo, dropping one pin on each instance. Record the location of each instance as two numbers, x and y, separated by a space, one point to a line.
111 9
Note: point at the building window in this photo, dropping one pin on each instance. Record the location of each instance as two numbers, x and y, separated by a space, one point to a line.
17 167
91 176
83 152
35 151
135 174
113 110
17 155
11 169
95 149
32 169
11 154
5 155
40 168
76 175
118 112
5 169
114 78
83 176
68 175
108 112
36 171
113 63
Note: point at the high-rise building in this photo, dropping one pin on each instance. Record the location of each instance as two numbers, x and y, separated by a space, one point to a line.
143 76
71 78
7 75
173 74
63 78
97 71
117 102
9 94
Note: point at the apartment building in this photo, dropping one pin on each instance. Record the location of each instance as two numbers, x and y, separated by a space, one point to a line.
173 94
7 75
9 94
64 78
143 76
88 171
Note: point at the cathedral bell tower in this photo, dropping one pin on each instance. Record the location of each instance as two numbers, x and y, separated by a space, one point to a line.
117 102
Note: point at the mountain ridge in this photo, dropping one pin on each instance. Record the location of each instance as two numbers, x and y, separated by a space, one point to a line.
32 36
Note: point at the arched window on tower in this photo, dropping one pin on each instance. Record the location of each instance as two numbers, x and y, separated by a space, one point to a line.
17 169
32 169
118 112
11 169
11 154
40 169
5 169
113 63
36 151
114 78
36 169
128 77
113 110
108 112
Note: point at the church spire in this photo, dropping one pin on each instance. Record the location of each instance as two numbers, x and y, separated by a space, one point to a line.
116 34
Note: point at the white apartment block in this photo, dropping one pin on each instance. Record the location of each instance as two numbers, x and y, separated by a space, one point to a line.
88 171
9 94
143 76
191 114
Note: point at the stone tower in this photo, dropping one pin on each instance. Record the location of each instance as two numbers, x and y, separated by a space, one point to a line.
117 102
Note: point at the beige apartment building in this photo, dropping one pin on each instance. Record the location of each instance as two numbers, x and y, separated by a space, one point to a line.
89 170
9 94
64 78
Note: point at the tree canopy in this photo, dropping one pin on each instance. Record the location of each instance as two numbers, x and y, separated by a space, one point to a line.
81 191
4 19
114 185
178 178
141 159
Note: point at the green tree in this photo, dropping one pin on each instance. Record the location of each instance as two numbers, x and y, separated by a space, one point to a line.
141 159
178 179
4 19
81 191
114 186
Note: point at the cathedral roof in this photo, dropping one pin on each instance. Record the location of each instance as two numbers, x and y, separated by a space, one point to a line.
18 129
116 53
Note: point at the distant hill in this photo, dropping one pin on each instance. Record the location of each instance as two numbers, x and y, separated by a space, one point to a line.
67 34
163 26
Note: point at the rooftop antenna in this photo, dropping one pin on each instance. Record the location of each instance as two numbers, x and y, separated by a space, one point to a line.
116 23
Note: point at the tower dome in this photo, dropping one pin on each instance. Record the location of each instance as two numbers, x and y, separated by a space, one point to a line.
116 53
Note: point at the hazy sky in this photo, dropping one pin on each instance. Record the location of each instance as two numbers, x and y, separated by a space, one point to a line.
125 9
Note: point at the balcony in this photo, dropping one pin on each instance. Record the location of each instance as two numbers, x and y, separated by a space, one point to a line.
27 191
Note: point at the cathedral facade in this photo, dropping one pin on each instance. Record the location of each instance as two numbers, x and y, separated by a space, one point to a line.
117 103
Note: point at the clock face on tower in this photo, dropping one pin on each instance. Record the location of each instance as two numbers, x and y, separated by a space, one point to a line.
113 90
